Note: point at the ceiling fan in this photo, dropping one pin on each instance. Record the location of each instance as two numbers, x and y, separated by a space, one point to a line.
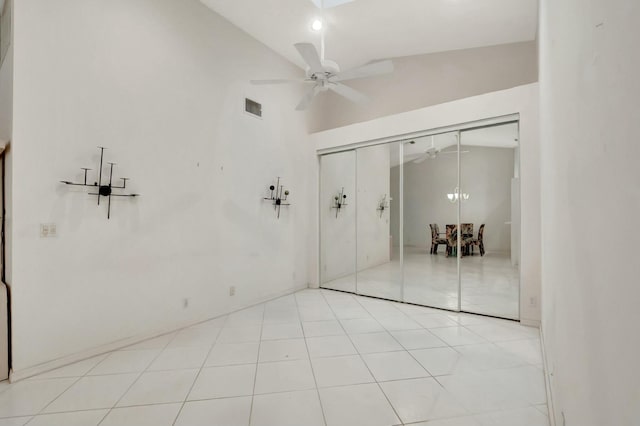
326 75
432 152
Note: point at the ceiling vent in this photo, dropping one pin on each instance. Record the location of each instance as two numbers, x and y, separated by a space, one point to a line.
253 107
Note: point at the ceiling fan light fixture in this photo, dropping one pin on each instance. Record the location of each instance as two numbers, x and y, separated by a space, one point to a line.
317 25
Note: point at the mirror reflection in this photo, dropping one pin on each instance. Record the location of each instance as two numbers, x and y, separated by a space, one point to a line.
338 221
430 176
489 217
379 272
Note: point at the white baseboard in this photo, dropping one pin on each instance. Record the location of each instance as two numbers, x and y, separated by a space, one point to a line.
17 375
547 382
530 323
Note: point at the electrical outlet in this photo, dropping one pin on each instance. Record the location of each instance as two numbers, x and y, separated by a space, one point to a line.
48 230
232 290
533 301
185 303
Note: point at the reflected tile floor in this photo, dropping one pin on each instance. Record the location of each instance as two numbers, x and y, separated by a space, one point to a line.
316 357
490 284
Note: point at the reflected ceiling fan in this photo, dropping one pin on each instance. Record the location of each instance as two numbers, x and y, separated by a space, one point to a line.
326 75
432 152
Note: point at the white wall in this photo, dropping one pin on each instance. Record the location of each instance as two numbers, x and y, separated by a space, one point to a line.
485 174
373 170
522 100
590 91
162 84
425 80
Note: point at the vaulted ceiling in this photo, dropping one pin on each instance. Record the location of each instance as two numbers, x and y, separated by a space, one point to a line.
360 31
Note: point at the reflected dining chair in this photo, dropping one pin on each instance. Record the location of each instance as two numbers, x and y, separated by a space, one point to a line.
452 240
478 241
435 238
467 237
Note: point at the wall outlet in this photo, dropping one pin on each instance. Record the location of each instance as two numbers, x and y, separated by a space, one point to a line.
232 290
48 230
533 301
185 303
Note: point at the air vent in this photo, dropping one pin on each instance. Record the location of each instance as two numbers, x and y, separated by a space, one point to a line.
253 107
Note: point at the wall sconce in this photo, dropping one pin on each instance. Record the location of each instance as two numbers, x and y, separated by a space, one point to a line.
457 195
339 201
383 204
278 196
105 190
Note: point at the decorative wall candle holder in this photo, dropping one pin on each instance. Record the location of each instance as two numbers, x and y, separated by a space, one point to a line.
339 201
278 196
383 205
103 190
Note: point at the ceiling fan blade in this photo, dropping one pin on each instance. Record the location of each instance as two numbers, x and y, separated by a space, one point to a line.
307 98
278 81
310 55
349 93
376 68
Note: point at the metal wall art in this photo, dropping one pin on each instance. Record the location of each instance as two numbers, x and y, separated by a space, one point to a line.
105 190
278 196
383 205
339 201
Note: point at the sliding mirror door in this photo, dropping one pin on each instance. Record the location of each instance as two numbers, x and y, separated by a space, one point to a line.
490 221
338 221
378 259
430 218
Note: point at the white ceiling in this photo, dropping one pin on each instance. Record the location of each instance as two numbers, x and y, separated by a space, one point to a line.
364 30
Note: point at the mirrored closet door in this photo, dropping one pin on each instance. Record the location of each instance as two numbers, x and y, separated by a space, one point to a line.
338 221
432 220
490 221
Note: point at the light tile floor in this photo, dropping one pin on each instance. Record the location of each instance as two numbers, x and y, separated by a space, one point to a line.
317 357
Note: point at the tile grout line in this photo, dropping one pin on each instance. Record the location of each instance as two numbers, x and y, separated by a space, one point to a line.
313 373
255 375
202 366
362 359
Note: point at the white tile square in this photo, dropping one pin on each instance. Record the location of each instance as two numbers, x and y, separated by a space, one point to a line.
156 343
528 350
226 411
284 376
488 356
180 358
194 336
250 316
15 421
394 366
441 361
77 369
339 371
434 320
119 362
287 409
454 421
283 350
147 415
74 418
522 417
499 332
357 405
330 346
93 392
417 339
421 399
232 353
31 396
398 322
375 342
282 331
240 334
219 382
159 387
322 328
361 325
456 336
